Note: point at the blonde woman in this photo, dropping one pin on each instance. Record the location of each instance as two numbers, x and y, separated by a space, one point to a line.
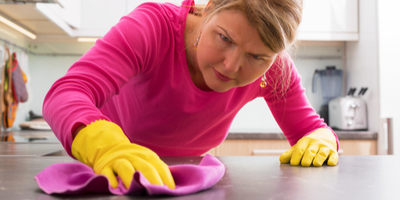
168 80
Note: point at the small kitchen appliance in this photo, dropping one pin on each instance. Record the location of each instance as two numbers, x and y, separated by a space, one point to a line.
349 112
331 87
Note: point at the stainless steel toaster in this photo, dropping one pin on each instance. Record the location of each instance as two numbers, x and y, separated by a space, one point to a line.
348 113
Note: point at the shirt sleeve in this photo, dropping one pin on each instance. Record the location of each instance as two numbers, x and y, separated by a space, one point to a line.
129 48
288 102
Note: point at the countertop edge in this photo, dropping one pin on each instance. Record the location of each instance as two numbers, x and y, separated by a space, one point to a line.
342 135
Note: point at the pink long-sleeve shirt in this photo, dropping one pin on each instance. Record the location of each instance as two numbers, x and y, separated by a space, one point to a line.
137 77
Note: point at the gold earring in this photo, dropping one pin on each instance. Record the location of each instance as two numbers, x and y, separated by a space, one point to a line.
196 43
263 84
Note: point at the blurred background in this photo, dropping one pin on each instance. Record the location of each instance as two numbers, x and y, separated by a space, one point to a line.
347 55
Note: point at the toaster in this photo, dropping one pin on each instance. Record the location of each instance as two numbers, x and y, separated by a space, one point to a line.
348 113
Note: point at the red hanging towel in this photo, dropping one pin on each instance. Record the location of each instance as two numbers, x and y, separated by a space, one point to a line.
18 81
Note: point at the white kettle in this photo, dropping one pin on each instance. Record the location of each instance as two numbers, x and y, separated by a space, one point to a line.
349 112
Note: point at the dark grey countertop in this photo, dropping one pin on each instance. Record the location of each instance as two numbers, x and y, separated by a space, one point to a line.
258 177
252 177
48 136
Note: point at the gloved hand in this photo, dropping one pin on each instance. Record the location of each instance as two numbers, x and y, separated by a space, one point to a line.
103 146
314 148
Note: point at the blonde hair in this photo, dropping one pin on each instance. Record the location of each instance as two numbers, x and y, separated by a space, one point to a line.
276 21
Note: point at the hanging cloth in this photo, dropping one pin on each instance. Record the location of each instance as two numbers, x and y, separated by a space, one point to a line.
10 103
18 81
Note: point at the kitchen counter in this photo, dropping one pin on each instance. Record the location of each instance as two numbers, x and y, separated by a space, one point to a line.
13 149
347 135
246 177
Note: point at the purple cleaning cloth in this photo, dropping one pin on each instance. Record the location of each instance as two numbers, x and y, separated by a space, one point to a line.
78 178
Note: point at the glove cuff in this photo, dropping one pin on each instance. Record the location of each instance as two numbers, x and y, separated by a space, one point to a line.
90 141
326 135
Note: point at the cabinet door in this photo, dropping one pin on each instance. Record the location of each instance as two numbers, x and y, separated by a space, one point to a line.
132 4
252 147
329 20
99 16
68 11
358 147
240 147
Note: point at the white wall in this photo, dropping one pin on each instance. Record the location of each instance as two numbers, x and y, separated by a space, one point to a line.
44 71
389 66
363 67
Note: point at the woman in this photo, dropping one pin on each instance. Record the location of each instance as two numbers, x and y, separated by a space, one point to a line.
168 80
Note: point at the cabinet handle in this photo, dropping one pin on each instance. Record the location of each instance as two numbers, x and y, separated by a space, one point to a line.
268 151
277 151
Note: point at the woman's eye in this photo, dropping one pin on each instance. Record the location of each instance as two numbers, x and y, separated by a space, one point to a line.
224 38
257 57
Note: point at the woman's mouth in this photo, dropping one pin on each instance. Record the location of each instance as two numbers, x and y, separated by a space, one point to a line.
221 76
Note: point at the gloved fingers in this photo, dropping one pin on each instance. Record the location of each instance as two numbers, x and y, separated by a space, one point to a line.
285 157
333 158
309 155
165 174
298 152
108 172
125 171
148 171
321 156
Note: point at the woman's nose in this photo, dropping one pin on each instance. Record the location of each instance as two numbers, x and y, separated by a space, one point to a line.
233 61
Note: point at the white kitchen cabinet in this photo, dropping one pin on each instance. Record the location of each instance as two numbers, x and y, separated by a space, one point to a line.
132 4
329 20
67 12
323 20
98 16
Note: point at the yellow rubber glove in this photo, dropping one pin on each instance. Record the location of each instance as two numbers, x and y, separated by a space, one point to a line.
103 146
314 148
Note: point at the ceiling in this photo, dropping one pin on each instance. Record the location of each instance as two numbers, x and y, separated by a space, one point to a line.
27 16
28 1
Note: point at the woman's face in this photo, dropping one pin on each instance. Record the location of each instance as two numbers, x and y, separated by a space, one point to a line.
230 52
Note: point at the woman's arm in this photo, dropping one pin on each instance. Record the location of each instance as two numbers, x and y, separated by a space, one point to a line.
312 141
291 109
131 47
77 131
